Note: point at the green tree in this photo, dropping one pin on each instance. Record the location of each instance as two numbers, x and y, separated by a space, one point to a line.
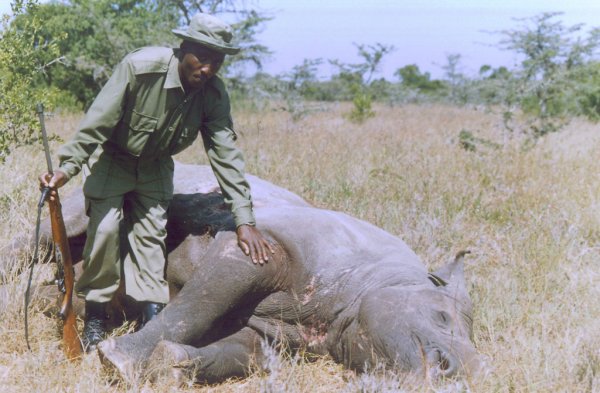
99 33
458 83
25 57
494 86
553 55
358 79
412 78
588 91
303 77
497 88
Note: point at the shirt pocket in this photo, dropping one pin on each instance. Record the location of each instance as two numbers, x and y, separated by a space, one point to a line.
141 126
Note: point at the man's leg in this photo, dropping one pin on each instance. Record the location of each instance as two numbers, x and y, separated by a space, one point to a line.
144 265
101 265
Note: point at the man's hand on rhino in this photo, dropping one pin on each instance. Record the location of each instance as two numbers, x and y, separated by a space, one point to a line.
53 181
253 243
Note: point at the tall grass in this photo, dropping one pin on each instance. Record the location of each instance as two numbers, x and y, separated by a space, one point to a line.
530 216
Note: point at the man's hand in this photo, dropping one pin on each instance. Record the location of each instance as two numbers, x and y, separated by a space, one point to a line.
253 243
53 181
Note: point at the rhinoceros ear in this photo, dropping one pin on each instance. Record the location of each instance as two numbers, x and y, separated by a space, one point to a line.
453 273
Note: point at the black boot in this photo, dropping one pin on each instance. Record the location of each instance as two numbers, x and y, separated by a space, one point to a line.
94 328
149 311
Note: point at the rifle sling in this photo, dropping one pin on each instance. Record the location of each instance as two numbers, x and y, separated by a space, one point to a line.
35 259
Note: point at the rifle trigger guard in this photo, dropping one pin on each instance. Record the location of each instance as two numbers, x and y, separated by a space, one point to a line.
60 283
60 269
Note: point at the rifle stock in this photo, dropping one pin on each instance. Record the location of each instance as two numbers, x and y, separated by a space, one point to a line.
62 254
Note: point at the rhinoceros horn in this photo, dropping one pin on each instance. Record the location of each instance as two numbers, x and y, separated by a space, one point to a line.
452 276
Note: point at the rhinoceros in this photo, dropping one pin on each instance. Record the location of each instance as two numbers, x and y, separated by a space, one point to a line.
335 285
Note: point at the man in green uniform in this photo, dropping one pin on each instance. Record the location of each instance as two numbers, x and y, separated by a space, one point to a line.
154 105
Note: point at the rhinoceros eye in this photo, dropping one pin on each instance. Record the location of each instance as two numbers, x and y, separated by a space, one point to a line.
442 317
437 281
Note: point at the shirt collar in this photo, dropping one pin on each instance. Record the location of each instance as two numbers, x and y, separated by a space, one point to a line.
172 80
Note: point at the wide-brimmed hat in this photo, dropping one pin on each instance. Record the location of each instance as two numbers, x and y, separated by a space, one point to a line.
209 31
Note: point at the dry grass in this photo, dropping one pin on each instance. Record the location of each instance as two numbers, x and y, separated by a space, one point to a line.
531 218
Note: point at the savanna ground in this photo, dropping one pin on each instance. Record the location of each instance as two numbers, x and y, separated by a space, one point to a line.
530 217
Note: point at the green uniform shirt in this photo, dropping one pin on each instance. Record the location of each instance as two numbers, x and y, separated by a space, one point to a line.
144 112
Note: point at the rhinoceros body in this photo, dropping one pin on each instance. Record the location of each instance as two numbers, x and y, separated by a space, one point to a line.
336 285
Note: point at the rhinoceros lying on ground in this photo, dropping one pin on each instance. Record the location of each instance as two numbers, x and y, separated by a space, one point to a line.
336 285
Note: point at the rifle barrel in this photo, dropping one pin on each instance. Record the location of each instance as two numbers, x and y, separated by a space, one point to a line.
40 112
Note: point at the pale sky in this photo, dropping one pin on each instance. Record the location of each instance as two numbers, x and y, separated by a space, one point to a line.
423 32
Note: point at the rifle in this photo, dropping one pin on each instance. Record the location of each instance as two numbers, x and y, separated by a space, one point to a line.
65 275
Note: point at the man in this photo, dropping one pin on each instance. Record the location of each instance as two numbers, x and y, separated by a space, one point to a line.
153 106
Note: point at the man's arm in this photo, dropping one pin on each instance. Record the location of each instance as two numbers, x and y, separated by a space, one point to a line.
228 164
96 127
99 121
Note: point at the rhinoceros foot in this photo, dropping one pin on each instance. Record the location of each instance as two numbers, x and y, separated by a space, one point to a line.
112 357
168 363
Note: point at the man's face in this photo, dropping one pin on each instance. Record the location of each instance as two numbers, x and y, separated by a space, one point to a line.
198 65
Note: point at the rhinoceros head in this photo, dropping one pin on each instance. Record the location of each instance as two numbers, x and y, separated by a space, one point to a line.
424 327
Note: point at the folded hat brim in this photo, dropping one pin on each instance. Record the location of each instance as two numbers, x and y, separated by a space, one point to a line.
207 41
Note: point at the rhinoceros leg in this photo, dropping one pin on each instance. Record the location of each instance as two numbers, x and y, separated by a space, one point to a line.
233 356
225 280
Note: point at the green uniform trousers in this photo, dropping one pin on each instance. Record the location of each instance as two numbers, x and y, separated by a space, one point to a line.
126 201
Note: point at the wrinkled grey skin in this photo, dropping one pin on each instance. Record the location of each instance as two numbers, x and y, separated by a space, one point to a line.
336 285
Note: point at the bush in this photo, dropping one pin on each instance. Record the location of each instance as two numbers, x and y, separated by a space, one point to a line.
362 109
24 56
